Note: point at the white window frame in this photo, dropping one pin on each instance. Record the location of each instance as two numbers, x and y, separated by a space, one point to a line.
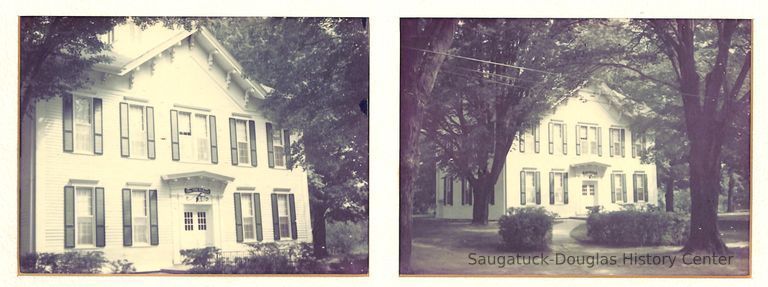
76 126
132 133
287 208
245 217
77 208
618 188
246 136
189 147
530 194
279 159
561 192
640 186
134 216
558 146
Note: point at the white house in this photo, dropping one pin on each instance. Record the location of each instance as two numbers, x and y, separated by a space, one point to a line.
582 154
167 150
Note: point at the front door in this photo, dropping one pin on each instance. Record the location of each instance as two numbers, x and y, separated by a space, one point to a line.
589 193
196 230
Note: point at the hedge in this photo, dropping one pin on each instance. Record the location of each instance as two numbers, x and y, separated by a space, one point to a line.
638 228
526 229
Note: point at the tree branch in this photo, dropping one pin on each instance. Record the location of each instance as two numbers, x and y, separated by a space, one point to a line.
641 74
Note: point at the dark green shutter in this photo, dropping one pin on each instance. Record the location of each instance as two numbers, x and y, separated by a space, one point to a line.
599 141
238 219
450 190
99 214
125 144
151 132
233 140
578 141
127 229
551 141
621 141
154 235
445 190
521 137
645 187
634 187
551 188
564 130
270 147
287 148
537 182
69 217
67 125
275 219
214 140
252 137
522 188
257 214
98 127
469 193
493 194
565 188
294 228
613 189
536 139
624 187
463 193
610 142
634 146
174 135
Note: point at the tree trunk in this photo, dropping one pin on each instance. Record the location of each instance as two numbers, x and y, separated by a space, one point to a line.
729 203
669 194
480 202
705 189
318 230
418 71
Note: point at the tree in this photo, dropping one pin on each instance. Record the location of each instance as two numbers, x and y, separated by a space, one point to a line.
507 73
423 44
720 50
318 70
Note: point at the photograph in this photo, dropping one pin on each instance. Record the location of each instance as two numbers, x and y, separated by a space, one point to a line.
557 147
192 145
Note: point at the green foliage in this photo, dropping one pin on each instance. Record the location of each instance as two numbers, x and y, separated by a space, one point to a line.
638 228
526 229
263 258
63 263
122 266
203 260
345 237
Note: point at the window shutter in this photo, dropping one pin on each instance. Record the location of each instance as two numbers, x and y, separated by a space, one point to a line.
154 235
599 141
493 194
463 193
257 214
174 135
252 136
645 187
67 123
151 132
127 229
238 218
294 228
98 205
621 141
578 142
275 219
564 136
536 139
214 139
287 147
565 188
551 188
521 136
98 127
125 143
445 190
450 190
610 142
233 140
634 187
469 194
634 146
270 147
624 187
522 188
551 140
69 216
613 189
537 182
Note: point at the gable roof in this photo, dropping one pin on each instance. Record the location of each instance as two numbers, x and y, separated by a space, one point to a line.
615 99
123 64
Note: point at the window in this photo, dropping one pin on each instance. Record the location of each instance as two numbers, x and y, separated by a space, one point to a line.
588 189
242 142
530 188
140 216
638 144
201 223
202 140
466 192
83 114
188 221
641 187
85 226
558 187
618 183
557 143
246 204
277 141
194 136
284 217
137 129
589 140
447 190
617 142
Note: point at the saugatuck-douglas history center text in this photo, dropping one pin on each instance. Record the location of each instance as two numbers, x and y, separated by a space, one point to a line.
597 259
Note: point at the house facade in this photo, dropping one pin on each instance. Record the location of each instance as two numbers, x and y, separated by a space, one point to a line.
168 150
582 154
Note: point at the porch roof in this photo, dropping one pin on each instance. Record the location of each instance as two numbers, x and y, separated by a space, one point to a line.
194 174
590 164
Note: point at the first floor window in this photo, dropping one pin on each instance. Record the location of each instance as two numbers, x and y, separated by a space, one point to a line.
284 216
246 205
641 187
85 225
447 190
530 187
618 187
140 220
466 192
558 186
189 222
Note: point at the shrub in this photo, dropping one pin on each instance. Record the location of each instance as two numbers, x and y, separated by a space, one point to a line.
638 228
263 258
346 237
121 266
67 263
526 229
203 260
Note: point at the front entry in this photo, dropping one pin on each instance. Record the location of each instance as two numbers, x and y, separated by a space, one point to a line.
589 193
196 228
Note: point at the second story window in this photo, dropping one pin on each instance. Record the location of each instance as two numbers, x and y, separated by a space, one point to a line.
588 140
83 111
137 131
242 137
192 136
638 144
558 143
617 142
242 142
278 147
82 124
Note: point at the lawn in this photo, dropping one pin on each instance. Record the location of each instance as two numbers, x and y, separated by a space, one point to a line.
451 246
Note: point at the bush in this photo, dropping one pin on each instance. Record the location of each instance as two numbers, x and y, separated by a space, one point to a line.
346 237
638 228
203 260
526 229
263 258
121 266
67 263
